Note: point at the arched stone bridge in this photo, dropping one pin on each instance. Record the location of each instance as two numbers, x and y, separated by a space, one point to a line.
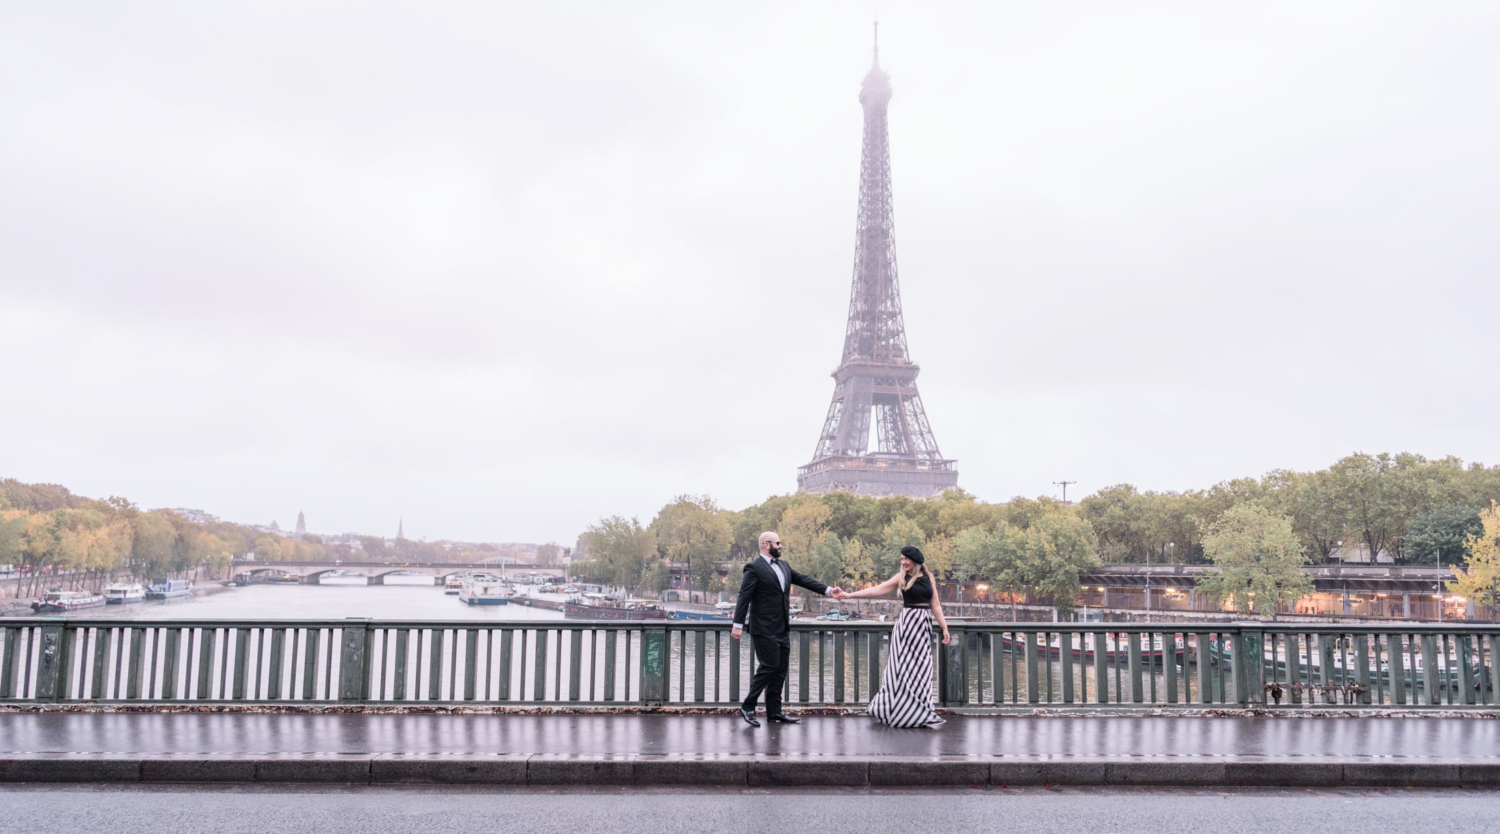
310 573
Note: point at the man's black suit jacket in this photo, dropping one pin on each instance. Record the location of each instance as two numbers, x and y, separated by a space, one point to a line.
769 606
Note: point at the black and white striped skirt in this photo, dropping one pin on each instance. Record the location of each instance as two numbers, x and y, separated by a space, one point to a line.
905 696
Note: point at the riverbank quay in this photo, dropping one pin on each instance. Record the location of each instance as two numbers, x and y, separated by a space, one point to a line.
645 749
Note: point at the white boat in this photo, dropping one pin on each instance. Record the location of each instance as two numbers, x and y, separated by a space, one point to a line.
485 593
122 592
54 601
453 585
168 589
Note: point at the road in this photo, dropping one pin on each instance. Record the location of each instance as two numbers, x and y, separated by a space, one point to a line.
83 810
1414 738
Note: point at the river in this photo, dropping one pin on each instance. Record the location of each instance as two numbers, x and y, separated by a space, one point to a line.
321 602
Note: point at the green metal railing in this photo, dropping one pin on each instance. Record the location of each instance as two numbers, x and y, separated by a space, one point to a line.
686 663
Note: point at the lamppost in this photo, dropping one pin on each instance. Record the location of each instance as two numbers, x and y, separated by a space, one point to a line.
1439 584
1344 580
1171 557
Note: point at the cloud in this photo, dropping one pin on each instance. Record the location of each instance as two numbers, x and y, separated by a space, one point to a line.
504 270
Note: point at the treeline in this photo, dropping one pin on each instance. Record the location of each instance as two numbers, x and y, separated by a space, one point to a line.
1403 507
73 540
851 540
55 532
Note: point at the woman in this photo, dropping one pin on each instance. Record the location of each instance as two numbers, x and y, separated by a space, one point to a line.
905 696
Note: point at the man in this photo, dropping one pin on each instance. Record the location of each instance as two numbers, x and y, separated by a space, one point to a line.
765 594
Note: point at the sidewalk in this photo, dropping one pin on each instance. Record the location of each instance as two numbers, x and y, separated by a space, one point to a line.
666 749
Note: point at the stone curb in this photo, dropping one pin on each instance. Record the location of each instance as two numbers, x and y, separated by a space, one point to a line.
744 771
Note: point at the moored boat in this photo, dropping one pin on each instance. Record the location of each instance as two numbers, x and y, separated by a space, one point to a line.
599 607
484 593
713 616
168 589
55 601
453 584
124 592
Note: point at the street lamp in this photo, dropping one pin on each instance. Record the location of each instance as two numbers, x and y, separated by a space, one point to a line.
1344 580
1439 583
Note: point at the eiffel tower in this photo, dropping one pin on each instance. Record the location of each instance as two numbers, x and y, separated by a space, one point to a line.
876 372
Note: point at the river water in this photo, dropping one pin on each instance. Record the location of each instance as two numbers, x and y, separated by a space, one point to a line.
321 602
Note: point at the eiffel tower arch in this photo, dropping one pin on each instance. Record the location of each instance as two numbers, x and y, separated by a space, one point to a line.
876 376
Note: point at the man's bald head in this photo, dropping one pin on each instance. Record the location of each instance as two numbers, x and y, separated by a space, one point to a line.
767 540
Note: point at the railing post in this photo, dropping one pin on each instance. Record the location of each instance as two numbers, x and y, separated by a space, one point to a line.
1250 667
1133 642
653 666
1430 670
1362 665
1101 668
1494 640
50 670
1033 692
954 691
353 662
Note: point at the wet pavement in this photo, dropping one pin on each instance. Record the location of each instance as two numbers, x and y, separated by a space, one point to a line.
292 810
1062 737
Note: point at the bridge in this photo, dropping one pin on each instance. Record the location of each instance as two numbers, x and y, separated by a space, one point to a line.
835 666
604 702
311 573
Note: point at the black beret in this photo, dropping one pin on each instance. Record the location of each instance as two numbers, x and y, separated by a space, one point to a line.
913 554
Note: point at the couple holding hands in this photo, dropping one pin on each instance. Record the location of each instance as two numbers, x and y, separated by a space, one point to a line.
905 695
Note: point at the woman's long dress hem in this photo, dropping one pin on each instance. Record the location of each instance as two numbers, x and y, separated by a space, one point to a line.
905 695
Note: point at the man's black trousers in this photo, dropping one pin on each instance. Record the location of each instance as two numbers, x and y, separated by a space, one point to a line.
775 656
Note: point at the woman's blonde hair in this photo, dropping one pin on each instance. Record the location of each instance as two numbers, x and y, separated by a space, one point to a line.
909 579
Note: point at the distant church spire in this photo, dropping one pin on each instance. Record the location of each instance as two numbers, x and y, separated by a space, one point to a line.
301 523
399 528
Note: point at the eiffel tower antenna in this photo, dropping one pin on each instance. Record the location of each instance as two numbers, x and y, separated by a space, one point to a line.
877 42
876 373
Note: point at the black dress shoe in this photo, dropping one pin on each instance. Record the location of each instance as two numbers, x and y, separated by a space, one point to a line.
783 718
749 717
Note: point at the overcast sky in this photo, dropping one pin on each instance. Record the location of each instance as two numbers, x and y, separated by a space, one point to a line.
503 268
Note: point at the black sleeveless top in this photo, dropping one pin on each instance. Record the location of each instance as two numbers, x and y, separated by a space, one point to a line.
919 595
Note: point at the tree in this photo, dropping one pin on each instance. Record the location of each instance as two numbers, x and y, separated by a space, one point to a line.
802 526
1362 485
373 547
267 548
1480 581
828 560
546 554
899 533
619 550
691 530
1259 558
656 576
996 557
859 569
1057 549
940 555
1445 531
12 529
151 550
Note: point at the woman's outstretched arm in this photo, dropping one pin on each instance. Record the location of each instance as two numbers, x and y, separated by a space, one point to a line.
878 591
